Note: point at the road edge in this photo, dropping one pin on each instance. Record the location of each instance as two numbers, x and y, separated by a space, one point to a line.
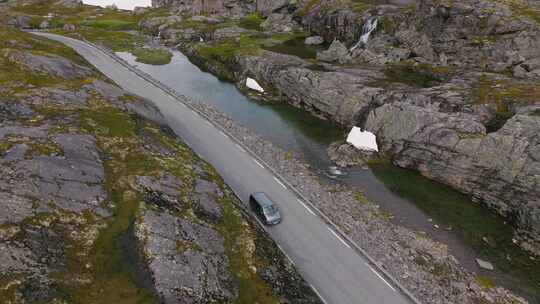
182 99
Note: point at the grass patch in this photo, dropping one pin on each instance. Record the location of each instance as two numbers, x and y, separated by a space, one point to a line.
152 56
502 94
111 25
251 288
115 40
252 22
422 76
485 282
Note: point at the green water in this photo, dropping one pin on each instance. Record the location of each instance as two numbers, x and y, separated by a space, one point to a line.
471 221
297 47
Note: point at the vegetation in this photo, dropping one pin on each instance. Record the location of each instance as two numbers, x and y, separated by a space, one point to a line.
502 94
252 22
422 76
101 264
111 25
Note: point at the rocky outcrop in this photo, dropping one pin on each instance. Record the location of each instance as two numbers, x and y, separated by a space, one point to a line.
337 52
228 8
501 169
100 203
341 96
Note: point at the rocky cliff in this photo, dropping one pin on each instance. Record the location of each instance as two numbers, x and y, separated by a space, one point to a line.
450 88
103 204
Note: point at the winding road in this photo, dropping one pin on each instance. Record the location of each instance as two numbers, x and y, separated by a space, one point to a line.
337 272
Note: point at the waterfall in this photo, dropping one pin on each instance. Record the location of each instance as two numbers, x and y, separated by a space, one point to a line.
159 35
367 29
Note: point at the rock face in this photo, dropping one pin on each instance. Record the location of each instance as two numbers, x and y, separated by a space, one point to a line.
501 169
336 53
196 249
316 91
229 8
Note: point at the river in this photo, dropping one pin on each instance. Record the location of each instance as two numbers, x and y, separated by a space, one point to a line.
415 202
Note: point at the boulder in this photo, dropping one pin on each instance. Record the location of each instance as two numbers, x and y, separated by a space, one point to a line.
485 264
267 7
21 21
69 27
347 155
45 24
205 19
279 23
337 52
314 40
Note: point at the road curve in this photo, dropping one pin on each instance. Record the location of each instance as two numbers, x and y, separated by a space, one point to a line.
335 270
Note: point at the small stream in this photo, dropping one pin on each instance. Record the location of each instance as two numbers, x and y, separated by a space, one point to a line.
414 201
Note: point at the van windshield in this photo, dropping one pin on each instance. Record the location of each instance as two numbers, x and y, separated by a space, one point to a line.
269 209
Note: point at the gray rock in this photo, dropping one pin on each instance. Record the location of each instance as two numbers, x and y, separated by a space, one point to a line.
22 22
314 40
45 24
187 261
279 23
484 264
336 53
346 155
228 32
205 19
341 96
206 205
267 7
162 192
69 27
52 65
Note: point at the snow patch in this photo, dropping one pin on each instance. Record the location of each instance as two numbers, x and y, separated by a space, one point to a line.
362 140
252 84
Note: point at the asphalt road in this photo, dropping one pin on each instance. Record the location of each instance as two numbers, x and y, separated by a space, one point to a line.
336 271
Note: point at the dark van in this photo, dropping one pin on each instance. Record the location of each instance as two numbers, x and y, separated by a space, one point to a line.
264 208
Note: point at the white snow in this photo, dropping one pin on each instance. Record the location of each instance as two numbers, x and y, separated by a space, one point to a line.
122 4
252 84
362 140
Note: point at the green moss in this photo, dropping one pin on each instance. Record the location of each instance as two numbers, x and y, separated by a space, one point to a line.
117 41
423 76
108 121
361 198
501 95
485 282
251 288
46 149
252 22
152 56
110 25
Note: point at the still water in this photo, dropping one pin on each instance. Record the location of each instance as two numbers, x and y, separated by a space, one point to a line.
415 202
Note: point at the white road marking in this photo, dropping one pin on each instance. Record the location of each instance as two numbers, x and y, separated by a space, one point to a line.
318 294
380 277
258 163
338 237
285 253
280 183
240 147
308 209
224 135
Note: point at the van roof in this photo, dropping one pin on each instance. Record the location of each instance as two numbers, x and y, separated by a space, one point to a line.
263 199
